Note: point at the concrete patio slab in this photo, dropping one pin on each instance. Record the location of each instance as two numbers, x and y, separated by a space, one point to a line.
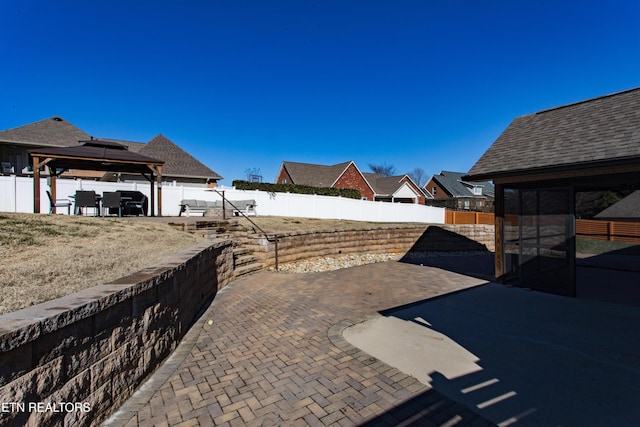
517 357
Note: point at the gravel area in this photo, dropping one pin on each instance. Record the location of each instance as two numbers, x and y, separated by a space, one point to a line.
337 262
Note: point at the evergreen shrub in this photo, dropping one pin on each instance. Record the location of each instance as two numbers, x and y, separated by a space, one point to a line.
297 189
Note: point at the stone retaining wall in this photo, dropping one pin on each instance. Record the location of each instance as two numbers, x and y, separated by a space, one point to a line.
305 245
74 360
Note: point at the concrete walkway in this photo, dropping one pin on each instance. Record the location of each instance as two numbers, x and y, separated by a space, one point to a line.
269 351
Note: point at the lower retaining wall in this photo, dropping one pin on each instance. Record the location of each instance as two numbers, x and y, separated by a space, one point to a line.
74 360
305 245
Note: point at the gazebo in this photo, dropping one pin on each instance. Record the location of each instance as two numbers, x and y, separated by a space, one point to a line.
95 155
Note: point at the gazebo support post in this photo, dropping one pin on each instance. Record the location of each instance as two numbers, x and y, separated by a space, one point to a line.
159 182
36 185
498 231
53 180
156 172
153 195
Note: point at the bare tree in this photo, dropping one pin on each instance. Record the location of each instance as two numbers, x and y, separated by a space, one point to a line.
383 169
419 176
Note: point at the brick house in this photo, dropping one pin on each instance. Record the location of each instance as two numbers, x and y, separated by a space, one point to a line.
347 175
342 175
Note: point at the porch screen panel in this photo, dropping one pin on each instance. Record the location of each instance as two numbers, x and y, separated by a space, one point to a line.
547 257
511 234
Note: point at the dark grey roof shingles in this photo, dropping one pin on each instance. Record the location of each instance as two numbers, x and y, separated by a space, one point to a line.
595 130
627 208
54 131
384 185
57 132
457 187
314 175
177 161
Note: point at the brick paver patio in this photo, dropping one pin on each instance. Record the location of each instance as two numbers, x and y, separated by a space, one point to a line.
269 352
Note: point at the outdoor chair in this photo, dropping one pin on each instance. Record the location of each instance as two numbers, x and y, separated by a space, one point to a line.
112 202
137 207
58 203
7 168
134 202
87 199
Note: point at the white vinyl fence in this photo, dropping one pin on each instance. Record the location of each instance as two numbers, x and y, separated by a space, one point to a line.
16 195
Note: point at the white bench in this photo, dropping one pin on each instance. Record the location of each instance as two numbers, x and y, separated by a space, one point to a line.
247 207
200 207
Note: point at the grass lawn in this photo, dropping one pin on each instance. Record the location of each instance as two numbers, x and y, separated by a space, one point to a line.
597 247
49 256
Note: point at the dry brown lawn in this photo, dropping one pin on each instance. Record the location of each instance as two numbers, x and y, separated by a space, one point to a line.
48 256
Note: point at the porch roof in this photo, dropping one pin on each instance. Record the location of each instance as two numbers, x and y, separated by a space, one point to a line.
589 135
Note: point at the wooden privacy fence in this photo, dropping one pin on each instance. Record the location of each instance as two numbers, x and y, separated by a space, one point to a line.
464 217
609 230
593 229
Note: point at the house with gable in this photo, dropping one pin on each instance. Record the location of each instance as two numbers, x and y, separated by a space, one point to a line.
180 167
449 190
396 189
342 175
347 175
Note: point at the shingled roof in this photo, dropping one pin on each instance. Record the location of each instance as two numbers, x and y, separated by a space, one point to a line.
53 132
453 183
386 185
587 133
625 210
177 161
96 155
314 175
57 132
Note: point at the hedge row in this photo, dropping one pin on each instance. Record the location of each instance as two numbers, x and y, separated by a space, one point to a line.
298 189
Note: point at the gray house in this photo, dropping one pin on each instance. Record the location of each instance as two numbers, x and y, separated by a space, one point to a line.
449 190
179 166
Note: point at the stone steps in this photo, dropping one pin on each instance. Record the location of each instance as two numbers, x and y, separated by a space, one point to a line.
248 269
244 260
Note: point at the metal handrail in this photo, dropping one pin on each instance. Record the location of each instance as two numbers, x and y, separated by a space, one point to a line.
274 237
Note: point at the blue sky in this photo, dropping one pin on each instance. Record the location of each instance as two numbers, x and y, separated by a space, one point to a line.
247 84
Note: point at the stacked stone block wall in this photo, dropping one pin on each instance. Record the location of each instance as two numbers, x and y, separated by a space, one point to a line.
74 360
305 245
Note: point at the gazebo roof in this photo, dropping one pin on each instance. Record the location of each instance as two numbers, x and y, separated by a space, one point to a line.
97 155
